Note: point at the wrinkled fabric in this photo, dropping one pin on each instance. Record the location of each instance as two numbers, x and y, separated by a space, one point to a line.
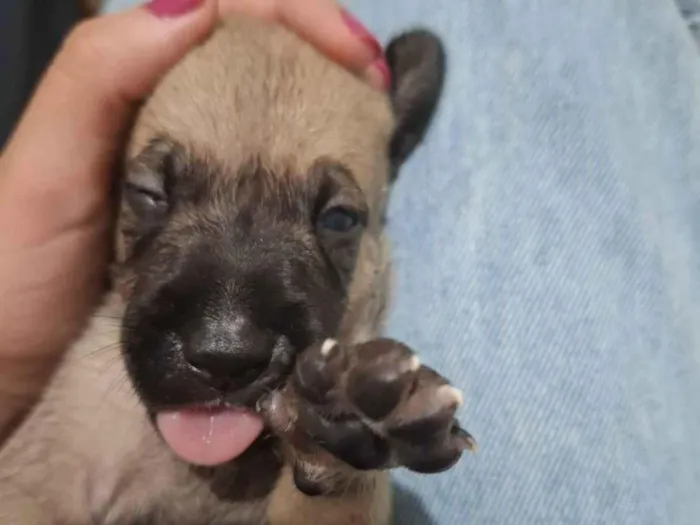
547 244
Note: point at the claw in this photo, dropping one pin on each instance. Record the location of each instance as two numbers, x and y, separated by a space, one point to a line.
450 395
465 438
413 364
328 345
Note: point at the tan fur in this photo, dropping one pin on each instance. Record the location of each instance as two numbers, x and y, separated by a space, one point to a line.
278 101
87 454
371 505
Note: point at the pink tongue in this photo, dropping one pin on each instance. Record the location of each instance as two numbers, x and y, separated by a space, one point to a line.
209 437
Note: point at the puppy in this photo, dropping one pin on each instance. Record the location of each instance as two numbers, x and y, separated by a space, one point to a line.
234 376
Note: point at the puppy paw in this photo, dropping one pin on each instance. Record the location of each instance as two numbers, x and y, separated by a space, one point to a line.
373 406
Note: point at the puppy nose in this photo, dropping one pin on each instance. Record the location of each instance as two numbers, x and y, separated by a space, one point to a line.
232 348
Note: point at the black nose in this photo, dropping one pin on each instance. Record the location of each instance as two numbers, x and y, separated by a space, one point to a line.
233 348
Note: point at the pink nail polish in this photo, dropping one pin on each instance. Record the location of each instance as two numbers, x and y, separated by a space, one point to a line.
172 8
378 74
357 29
383 68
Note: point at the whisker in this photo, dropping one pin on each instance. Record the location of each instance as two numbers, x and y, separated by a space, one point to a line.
105 348
117 384
108 317
108 331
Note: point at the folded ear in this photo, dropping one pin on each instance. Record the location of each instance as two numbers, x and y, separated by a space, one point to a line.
416 61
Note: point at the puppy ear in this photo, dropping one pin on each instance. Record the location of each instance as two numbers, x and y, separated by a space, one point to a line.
416 61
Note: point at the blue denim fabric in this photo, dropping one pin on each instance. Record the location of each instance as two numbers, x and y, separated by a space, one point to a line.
690 9
547 240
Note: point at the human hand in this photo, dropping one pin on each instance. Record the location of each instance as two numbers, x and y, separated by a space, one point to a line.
55 172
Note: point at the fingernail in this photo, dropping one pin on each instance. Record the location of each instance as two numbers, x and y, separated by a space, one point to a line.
360 31
378 75
172 8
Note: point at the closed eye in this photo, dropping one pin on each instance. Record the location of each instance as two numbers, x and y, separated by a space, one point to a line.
144 201
339 219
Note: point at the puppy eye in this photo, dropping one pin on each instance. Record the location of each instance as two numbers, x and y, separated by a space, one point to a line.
339 219
144 202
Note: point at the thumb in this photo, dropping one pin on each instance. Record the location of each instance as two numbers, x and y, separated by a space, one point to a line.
82 106
54 181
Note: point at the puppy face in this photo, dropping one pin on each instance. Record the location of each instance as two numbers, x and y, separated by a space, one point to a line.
252 210
234 272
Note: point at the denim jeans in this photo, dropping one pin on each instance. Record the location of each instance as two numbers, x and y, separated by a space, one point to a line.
547 242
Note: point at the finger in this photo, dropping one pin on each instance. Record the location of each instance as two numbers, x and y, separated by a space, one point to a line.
323 23
53 187
84 103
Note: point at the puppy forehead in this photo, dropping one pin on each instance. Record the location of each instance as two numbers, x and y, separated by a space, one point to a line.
256 91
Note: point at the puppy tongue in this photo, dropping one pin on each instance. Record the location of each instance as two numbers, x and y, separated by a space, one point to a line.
209 436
